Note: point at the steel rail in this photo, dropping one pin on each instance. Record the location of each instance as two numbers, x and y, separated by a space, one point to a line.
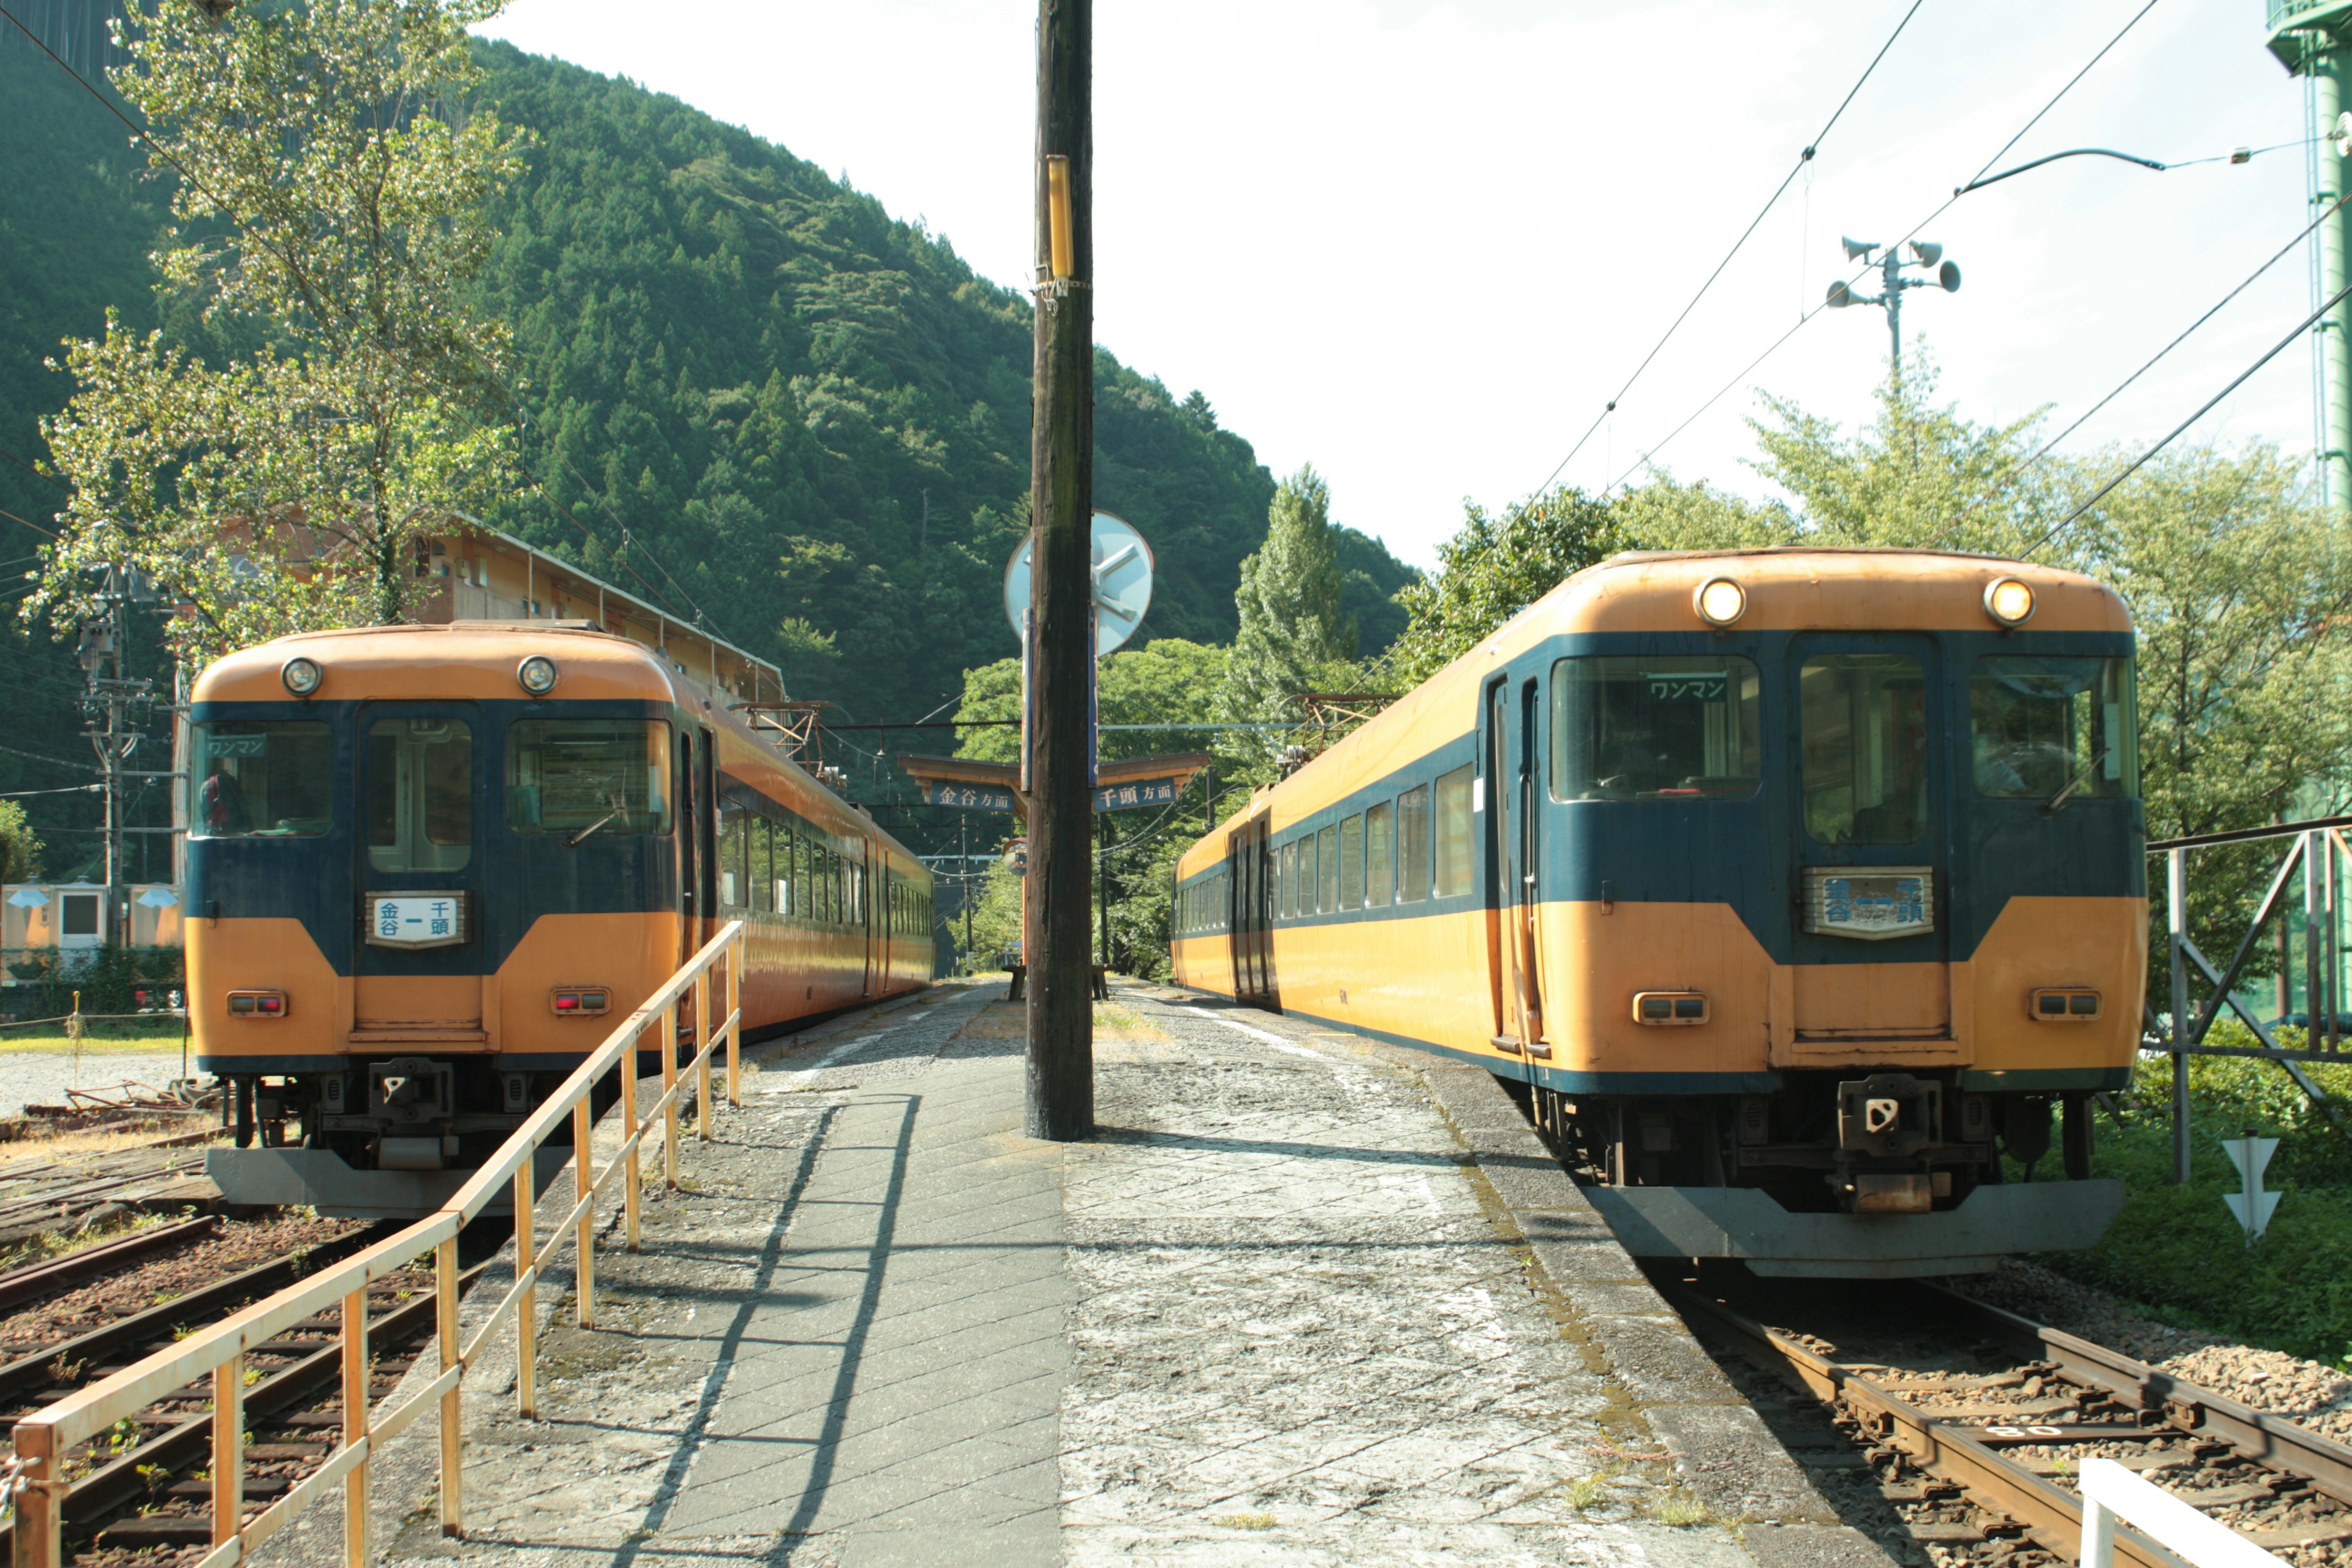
2052 1516
21 1285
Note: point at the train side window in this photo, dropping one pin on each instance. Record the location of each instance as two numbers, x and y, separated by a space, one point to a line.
1327 870
2039 724
763 874
1413 845
262 779
1453 837
1307 882
564 774
1352 862
734 828
1632 728
1380 854
1864 735
420 794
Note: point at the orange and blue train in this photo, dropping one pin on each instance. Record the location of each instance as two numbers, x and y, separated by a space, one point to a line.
1798 895
430 867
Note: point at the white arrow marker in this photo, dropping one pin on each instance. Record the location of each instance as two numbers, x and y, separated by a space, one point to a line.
2252 1205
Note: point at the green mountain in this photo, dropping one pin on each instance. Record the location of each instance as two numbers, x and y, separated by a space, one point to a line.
809 421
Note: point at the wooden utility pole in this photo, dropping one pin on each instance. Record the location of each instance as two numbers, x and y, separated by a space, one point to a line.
1061 507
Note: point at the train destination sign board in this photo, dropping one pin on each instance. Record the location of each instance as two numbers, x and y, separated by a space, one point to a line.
1138 792
970 797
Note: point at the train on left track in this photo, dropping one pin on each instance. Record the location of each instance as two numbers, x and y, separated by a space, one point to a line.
429 867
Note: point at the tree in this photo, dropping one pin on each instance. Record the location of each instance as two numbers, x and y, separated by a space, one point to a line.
331 393
1292 634
20 848
1491 570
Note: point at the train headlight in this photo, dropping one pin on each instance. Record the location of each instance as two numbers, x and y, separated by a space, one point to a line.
537 674
301 676
2008 601
1721 600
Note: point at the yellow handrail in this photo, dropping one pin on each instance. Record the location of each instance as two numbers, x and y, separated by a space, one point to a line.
44 1438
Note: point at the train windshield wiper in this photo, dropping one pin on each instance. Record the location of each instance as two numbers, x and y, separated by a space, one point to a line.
573 842
2077 782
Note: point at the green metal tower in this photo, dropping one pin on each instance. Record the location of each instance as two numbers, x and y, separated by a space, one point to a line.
2312 38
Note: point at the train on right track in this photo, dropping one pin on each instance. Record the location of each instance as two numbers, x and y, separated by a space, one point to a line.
1798 894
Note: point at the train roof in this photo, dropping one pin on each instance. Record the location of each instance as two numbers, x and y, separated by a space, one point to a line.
467 660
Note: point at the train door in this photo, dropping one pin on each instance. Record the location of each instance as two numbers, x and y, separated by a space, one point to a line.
1512 777
418 972
1872 943
871 897
1251 929
697 846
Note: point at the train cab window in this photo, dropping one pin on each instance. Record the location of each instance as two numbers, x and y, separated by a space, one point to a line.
1352 862
2039 725
262 779
420 794
1327 870
1864 736
1453 838
1656 728
1413 845
566 776
1380 854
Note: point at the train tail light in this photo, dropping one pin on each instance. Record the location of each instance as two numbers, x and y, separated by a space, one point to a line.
257 1003
2064 1005
1670 1008
581 1001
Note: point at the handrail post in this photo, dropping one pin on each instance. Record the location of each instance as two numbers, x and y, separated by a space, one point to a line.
355 1427
735 1029
228 1448
453 1421
629 1130
2176 915
669 1107
702 1054
583 1177
526 1200
39 1532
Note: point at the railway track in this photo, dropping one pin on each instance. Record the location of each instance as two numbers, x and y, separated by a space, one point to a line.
37 1195
1967 1424
135 1494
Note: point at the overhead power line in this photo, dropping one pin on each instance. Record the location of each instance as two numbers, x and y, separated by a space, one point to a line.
2207 407
1778 191
1909 234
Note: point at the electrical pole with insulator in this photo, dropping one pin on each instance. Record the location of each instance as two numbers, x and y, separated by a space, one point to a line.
1059 735
2314 41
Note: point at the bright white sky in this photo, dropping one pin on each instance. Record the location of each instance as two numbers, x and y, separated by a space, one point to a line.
1420 244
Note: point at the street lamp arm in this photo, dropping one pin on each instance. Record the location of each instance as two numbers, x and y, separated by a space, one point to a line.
2070 152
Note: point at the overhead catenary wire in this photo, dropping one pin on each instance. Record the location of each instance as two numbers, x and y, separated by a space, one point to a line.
1943 206
1803 157
2084 417
2174 433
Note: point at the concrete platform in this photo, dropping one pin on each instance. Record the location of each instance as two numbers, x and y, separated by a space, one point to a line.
1304 1300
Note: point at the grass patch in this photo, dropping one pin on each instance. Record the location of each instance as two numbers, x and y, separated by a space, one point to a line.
2177 1254
51 1244
1678 1507
1249 1521
101 1038
66 1145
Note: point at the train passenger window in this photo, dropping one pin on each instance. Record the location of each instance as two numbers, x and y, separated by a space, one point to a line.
1413 845
1307 881
420 794
734 829
1352 862
1380 854
762 875
1656 728
262 779
566 774
1864 737
791 874
1285 879
1327 869
1452 835
2037 725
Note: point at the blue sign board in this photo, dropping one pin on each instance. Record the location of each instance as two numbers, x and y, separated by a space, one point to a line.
971 797
1140 792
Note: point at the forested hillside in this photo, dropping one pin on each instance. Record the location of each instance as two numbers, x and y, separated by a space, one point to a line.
808 420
